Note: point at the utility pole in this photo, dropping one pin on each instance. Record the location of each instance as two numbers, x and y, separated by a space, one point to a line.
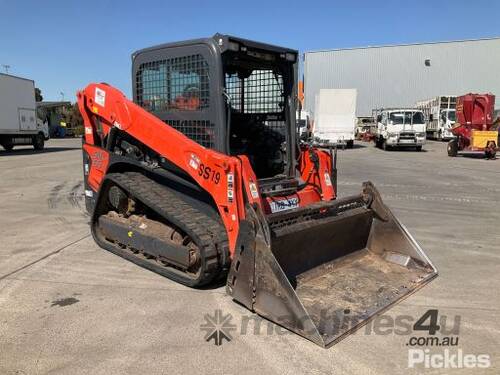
6 67
62 96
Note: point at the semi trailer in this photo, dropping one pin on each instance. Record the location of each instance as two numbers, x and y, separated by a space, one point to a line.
19 124
199 187
439 115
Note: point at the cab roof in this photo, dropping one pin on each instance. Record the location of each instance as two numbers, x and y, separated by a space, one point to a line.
222 43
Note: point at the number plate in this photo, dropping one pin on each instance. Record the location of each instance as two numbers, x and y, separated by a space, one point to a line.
284 204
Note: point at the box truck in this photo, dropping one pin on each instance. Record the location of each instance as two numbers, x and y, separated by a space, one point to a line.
439 115
18 121
335 116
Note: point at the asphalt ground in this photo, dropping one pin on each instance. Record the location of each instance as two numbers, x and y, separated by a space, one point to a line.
66 306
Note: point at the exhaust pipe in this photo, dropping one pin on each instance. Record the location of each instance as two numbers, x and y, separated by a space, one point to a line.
323 271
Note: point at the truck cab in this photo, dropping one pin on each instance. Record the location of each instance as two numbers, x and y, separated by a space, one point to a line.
43 127
446 120
439 113
400 128
303 124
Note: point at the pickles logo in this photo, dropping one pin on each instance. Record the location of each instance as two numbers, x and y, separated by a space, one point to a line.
218 327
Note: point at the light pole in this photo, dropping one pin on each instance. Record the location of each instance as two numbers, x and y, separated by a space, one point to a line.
62 96
6 67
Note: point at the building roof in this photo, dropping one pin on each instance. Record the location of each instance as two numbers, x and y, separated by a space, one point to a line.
13 76
52 104
404 45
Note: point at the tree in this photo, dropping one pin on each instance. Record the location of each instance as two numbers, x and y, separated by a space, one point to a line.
38 95
75 119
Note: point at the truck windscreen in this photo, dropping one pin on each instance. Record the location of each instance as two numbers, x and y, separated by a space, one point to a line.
406 117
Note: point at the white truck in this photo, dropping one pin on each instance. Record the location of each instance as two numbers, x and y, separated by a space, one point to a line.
335 116
400 127
18 121
440 116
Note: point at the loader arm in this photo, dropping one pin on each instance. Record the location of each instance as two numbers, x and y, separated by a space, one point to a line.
104 107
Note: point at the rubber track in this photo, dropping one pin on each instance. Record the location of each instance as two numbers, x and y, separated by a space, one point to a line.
208 234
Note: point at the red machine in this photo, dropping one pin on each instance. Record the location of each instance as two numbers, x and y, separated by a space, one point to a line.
213 184
473 130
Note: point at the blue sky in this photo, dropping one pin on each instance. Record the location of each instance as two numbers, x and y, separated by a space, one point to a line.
64 45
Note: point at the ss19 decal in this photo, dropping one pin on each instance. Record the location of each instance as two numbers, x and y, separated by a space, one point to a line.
208 173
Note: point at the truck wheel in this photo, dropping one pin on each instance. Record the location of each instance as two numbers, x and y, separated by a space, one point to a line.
440 136
38 142
385 146
350 144
490 151
418 148
453 148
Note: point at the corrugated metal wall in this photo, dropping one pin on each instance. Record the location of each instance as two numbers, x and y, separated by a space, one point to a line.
393 76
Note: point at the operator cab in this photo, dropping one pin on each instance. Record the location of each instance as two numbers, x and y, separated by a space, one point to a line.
448 117
228 94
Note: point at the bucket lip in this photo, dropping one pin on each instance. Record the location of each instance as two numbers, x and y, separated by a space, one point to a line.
329 343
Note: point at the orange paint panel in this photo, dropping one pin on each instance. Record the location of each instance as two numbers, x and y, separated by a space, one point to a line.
99 161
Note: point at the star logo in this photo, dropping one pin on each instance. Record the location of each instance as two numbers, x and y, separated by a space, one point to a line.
218 327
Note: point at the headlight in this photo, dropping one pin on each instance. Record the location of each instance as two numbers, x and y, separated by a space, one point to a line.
420 135
389 134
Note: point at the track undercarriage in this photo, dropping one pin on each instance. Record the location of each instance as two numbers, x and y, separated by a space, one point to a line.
146 223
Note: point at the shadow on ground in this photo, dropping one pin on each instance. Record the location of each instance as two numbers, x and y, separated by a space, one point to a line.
354 146
31 151
475 155
404 149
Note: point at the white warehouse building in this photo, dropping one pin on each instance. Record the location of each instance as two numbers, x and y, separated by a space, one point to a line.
401 75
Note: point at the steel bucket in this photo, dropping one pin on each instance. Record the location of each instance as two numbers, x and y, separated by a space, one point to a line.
325 270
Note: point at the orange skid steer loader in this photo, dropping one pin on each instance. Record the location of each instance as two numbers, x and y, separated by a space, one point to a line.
202 178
